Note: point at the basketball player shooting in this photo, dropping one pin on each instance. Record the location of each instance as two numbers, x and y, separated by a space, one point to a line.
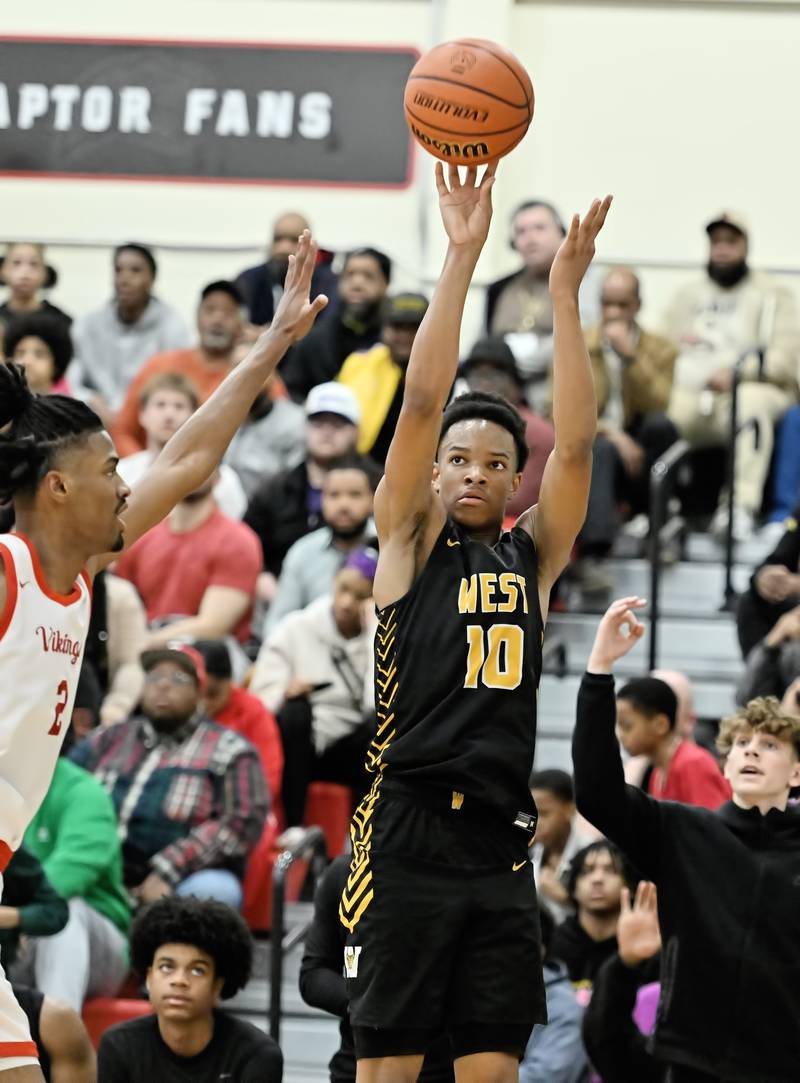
440 905
73 514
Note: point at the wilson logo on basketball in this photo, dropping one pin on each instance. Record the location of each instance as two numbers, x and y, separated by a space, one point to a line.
450 149
462 61
56 642
450 109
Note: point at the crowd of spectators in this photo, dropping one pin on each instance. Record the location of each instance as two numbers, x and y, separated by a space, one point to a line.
229 660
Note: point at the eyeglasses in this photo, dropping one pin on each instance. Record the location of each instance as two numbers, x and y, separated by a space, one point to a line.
177 678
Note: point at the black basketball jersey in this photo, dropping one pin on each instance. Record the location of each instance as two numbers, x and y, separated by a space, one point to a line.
457 666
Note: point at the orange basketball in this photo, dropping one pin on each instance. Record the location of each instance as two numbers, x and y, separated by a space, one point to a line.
468 101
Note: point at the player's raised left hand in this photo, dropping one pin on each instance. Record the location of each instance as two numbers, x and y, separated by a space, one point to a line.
296 312
577 249
618 632
466 207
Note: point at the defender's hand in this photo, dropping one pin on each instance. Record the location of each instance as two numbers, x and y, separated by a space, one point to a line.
638 933
296 313
577 250
618 632
466 208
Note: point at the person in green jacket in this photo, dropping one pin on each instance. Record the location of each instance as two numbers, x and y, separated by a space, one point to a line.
74 835
31 905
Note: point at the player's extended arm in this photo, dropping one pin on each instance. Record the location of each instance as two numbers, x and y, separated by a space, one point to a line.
64 1036
404 495
561 510
197 447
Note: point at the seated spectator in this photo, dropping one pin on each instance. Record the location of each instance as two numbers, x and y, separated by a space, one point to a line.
113 342
31 906
774 663
270 441
555 1052
727 903
192 954
74 835
348 490
491 367
618 1050
314 672
24 269
354 324
633 378
117 636
686 719
774 589
647 710
519 307
729 312
287 507
558 839
196 571
41 343
190 796
165 403
585 939
65 1050
205 366
241 711
323 985
377 376
262 285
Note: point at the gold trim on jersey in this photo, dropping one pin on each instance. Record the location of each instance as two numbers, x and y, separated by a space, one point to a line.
358 891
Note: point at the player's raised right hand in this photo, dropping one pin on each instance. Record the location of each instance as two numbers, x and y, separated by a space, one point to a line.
618 632
466 207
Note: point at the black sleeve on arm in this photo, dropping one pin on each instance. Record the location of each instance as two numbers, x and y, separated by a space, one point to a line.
111 1059
625 814
616 1047
265 1066
322 984
786 552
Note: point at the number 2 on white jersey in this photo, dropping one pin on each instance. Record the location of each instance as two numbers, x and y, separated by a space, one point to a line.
63 695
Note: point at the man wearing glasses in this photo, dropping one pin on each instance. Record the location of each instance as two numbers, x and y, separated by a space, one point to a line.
190 796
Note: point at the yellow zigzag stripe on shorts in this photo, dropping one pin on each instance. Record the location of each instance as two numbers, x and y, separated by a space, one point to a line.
358 891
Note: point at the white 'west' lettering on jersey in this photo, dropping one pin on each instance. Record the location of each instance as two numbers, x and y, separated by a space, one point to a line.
42 636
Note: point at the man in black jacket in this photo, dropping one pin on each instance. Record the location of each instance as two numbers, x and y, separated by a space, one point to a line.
727 880
774 588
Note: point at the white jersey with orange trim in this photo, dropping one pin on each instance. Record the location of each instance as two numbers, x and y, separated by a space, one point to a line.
42 639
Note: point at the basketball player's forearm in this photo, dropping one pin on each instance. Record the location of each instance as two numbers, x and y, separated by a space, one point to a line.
434 356
200 443
574 398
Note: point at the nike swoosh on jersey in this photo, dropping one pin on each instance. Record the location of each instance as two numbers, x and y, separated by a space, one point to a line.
518 865
452 543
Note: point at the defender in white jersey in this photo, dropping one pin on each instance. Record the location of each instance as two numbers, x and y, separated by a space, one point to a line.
73 512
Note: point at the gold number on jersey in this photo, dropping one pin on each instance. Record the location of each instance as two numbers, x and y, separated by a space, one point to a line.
497 660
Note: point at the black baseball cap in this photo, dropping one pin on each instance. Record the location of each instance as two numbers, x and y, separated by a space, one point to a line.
493 351
182 654
223 285
405 309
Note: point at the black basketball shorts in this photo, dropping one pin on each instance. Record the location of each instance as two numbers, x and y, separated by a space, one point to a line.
449 939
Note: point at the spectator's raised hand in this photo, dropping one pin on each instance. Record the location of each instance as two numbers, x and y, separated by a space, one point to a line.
296 312
638 933
466 208
618 632
577 249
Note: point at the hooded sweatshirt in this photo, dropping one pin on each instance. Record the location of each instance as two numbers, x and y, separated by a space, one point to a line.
728 904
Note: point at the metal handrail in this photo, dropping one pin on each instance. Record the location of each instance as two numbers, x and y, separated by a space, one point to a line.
311 843
663 475
734 431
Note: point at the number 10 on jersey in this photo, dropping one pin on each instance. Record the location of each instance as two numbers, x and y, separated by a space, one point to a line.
494 656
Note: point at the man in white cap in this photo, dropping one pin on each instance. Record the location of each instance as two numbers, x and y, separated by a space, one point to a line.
729 312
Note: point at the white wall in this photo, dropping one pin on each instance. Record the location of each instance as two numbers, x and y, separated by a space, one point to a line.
676 108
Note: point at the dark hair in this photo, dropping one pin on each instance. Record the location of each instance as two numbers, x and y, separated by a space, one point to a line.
206 924
216 656
223 285
380 258
354 461
142 250
530 204
50 329
651 696
39 427
487 407
548 927
170 381
602 846
558 783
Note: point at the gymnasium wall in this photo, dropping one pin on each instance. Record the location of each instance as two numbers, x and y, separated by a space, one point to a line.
678 108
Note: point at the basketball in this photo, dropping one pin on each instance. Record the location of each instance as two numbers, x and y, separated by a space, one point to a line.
468 101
